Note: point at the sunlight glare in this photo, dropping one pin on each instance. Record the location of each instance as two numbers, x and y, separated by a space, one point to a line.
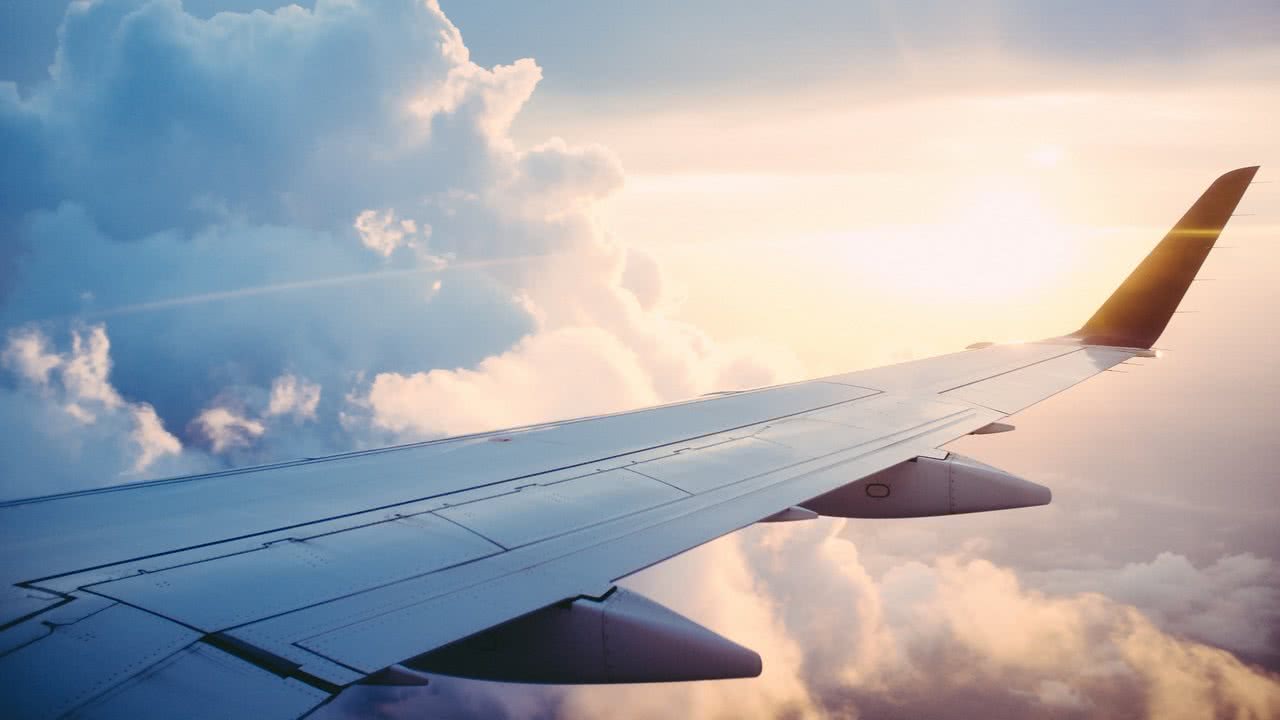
998 241
1046 156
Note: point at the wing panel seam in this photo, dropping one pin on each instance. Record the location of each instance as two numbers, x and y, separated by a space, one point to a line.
401 503
1011 370
916 431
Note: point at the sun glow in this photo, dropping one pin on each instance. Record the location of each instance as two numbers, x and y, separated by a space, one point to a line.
996 241
849 273
867 232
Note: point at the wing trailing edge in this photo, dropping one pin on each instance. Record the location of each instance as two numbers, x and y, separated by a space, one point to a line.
1137 312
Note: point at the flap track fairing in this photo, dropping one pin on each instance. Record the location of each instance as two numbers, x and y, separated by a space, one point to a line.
927 486
621 638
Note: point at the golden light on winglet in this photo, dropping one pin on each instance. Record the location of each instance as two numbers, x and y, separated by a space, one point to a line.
1138 311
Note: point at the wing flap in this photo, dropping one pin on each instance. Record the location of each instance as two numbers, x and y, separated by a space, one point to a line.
289 574
205 683
390 624
46 538
537 512
83 655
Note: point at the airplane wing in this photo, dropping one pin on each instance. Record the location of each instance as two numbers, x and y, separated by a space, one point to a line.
262 592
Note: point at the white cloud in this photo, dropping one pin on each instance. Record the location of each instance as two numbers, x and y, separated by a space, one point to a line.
27 354
68 421
551 375
554 179
225 429
259 256
294 396
382 233
642 276
152 439
1223 603
85 371
244 420
958 628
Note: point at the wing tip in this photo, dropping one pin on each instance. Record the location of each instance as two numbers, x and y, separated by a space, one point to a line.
1239 173
1139 310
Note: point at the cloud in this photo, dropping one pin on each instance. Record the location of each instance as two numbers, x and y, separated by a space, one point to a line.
958 634
1229 603
154 442
27 353
245 422
85 369
291 395
556 374
224 429
245 198
954 637
68 427
383 234
554 179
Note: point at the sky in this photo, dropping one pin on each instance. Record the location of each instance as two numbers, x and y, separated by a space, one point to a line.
239 237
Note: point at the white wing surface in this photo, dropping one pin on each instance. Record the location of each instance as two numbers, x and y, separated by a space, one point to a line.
262 592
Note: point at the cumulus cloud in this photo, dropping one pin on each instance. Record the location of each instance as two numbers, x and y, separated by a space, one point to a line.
262 188
242 421
294 396
955 637
225 429
553 180
27 354
67 425
153 441
1231 602
642 276
557 374
382 233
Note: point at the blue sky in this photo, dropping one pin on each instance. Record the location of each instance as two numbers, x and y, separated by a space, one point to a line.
718 46
236 238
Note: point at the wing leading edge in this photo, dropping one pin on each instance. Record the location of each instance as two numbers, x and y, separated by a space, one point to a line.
265 591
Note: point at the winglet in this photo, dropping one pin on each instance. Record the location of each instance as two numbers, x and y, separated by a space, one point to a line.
1137 312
